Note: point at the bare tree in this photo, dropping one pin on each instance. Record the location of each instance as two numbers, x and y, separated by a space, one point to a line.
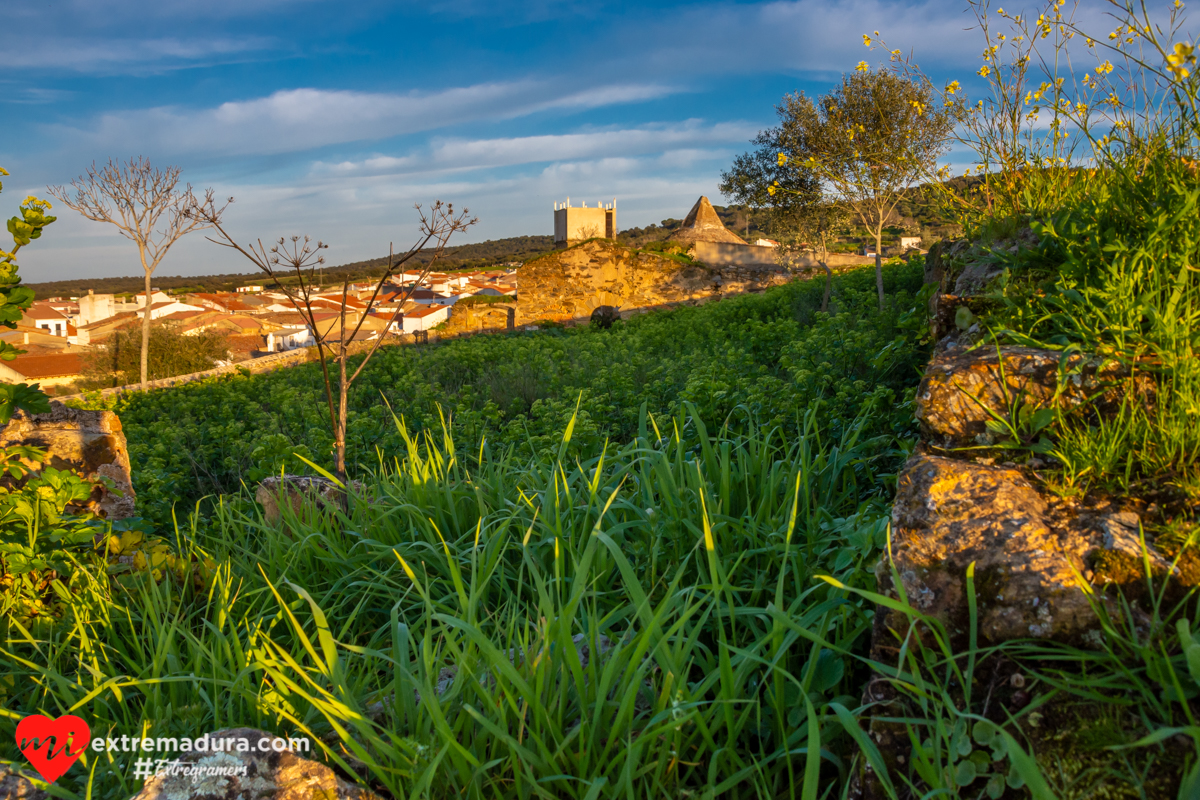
293 264
148 208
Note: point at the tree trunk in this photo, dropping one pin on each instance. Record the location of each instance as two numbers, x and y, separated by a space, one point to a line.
828 285
879 267
145 365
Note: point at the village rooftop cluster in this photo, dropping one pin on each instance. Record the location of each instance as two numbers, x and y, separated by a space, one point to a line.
58 333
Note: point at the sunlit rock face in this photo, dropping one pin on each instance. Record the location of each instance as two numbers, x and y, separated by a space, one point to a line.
89 443
963 389
1037 558
237 774
568 285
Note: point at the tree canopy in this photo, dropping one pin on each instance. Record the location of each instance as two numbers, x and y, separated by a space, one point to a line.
874 136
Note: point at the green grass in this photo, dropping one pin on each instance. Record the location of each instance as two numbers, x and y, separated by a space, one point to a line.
693 554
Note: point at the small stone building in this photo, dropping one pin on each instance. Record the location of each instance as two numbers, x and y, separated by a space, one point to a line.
575 225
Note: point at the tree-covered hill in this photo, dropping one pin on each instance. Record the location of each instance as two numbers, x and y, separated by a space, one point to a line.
480 255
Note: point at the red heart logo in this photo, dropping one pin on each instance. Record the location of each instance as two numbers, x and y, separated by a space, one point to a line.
52 745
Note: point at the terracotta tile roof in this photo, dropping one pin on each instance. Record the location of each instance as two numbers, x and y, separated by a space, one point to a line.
424 311
179 316
51 366
43 311
115 321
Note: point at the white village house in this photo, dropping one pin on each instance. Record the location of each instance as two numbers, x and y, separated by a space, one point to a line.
422 319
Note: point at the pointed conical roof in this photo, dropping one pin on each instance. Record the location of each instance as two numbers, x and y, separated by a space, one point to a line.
703 225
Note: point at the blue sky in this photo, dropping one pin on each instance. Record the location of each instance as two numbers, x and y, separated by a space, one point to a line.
333 118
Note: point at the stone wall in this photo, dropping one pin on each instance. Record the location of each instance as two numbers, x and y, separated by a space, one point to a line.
570 284
722 254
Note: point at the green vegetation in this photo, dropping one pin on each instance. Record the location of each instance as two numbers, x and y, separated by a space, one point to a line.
765 358
171 353
662 492
641 561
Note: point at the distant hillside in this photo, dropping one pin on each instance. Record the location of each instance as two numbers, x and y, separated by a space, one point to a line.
481 255
916 211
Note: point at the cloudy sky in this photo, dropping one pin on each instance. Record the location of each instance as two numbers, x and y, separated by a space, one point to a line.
333 118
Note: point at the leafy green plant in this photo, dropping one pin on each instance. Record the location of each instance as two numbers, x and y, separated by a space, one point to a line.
15 300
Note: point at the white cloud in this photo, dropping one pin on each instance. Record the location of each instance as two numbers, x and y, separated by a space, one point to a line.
300 119
675 140
105 56
374 210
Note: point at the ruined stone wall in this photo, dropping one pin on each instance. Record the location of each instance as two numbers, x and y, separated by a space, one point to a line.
570 284
88 443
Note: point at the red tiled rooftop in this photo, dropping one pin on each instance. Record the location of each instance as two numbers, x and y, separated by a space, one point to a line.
55 366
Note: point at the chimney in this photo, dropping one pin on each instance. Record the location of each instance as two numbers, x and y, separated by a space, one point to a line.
91 292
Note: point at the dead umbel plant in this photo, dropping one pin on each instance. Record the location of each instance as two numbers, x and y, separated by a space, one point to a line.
291 263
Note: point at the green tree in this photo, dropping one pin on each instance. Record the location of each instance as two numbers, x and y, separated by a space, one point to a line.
763 180
171 353
877 134
15 300
812 229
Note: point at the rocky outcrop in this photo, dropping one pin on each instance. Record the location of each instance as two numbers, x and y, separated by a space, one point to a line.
300 492
570 284
1038 559
249 775
963 389
88 443
15 786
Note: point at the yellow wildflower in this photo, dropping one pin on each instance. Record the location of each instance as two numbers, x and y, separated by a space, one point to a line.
952 87
866 40
985 70
1105 68
862 67
1182 60
782 158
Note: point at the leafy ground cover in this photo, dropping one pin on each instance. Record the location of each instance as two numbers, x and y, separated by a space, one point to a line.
662 493
765 359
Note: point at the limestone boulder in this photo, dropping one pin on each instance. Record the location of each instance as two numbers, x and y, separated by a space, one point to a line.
86 442
961 386
1031 552
249 776
300 492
